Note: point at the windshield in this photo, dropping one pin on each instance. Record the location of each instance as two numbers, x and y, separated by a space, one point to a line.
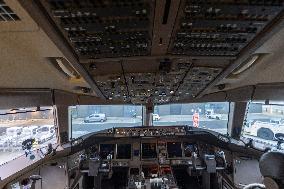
86 119
263 122
213 116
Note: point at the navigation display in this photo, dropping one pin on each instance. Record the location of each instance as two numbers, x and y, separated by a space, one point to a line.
174 149
123 151
106 149
189 148
149 150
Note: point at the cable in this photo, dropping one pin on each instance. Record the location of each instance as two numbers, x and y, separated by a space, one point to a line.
228 117
126 84
226 98
248 105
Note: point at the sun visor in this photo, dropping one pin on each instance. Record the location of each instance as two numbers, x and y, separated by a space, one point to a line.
25 98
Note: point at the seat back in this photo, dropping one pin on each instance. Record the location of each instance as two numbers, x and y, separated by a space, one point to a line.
271 166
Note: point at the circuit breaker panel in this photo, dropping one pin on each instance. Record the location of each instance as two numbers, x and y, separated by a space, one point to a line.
109 28
221 27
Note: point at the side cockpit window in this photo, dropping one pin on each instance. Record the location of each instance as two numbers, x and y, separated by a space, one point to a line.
264 124
22 124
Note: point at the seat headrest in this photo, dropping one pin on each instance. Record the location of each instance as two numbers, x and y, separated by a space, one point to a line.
271 165
270 183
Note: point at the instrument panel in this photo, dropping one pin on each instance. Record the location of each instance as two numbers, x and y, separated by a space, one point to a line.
150 131
150 155
123 152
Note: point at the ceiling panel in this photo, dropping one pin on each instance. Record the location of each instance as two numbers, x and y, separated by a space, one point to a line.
133 59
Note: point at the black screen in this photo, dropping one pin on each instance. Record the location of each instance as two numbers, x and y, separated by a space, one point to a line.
149 150
106 149
174 149
123 151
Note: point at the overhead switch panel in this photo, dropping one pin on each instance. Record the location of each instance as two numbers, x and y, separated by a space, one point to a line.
195 81
100 29
221 28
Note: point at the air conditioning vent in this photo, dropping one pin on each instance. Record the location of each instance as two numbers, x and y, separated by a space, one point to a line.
6 13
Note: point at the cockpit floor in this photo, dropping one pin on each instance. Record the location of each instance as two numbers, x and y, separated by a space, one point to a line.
184 181
117 181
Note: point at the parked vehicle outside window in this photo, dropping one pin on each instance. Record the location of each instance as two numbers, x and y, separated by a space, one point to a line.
264 122
95 118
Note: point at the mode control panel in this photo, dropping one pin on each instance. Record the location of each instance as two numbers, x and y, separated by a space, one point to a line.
150 131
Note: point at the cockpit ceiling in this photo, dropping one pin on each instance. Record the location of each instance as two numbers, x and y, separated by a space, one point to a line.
133 49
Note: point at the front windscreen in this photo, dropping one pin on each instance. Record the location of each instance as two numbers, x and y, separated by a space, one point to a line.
85 119
264 123
213 116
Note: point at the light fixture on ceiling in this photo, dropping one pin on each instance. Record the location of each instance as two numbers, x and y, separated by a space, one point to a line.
246 65
67 68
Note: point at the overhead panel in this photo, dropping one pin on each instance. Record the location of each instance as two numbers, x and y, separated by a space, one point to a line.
221 27
171 80
158 86
167 82
195 81
113 86
101 29
133 59
140 86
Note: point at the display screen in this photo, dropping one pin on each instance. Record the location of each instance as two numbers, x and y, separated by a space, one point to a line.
123 151
174 149
189 148
106 149
149 150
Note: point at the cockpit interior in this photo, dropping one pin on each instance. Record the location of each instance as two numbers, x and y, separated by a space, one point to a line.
141 94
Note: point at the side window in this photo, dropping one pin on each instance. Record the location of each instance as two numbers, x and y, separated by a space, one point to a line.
18 125
264 123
